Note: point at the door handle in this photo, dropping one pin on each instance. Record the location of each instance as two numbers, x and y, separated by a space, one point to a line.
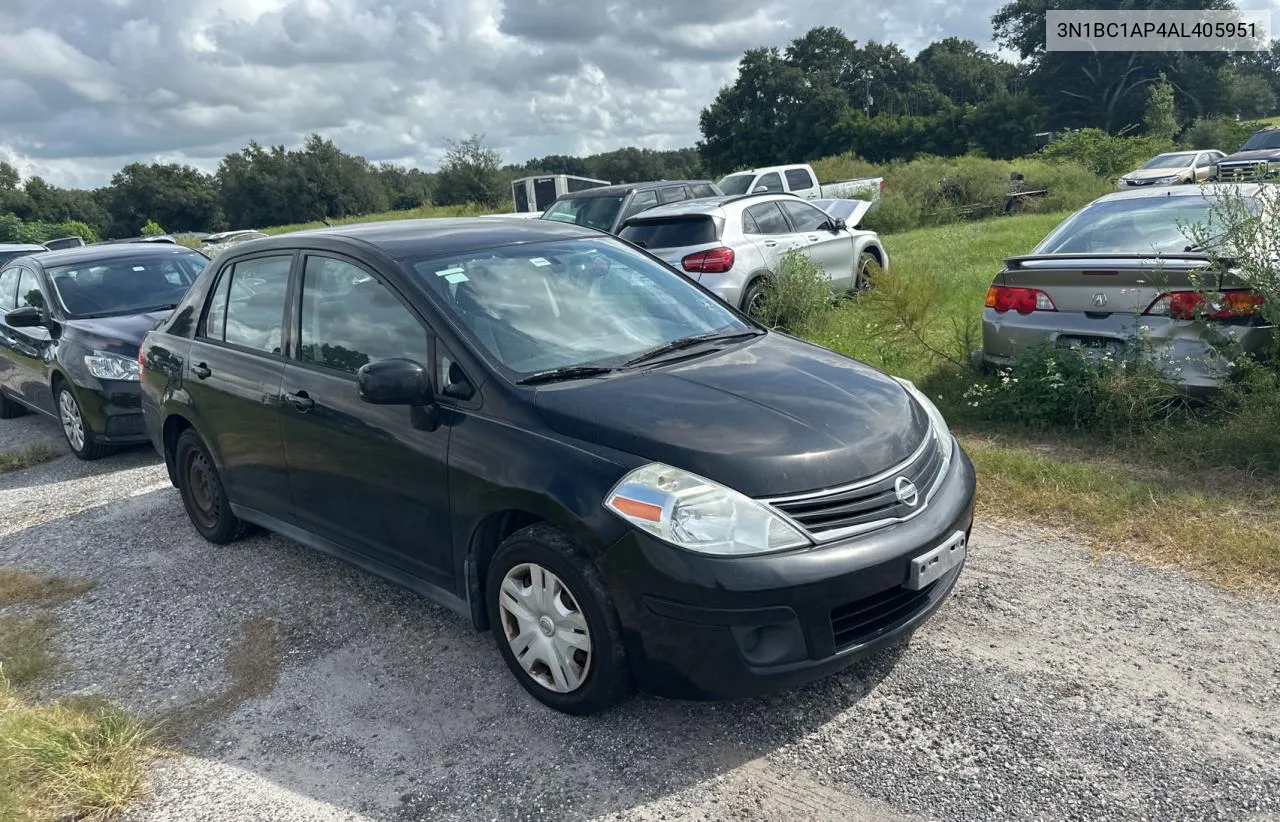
813 239
770 243
201 370
300 401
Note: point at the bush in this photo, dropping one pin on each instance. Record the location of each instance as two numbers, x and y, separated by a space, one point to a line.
74 228
847 166
892 214
1106 155
797 296
10 228
152 229
1223 133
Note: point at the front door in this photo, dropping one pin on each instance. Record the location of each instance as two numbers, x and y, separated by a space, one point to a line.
29 348
232 376
831 250
369 477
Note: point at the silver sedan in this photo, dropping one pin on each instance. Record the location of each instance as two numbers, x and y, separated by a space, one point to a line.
1126 274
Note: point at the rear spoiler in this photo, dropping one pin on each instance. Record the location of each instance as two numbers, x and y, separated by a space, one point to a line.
1016 262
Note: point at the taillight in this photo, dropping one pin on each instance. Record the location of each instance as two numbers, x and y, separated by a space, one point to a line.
1023 300
142 361
713 261
1220 305
882 184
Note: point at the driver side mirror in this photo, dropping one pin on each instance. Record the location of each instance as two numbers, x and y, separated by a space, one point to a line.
25 317
837 225
759 189
395 382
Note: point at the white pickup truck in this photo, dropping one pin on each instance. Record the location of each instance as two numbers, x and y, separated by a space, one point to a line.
801 181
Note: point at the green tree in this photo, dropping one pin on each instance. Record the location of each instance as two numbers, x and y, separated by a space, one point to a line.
151 229
9 177
1251 97
1160 120
471 173
963 72
10 228
175 195
1004 127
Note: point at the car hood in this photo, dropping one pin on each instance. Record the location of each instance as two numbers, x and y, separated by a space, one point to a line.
119 335
1156 173
1253 156
772 416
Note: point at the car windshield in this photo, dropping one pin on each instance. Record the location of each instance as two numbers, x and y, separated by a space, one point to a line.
736 184
593 212
1141 225
1170 161
585 302
1262 140
125 285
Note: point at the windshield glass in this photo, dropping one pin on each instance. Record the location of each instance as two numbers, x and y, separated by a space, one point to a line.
1140 226
125 285
736 183
541 306
1171 161
1261 140
593 212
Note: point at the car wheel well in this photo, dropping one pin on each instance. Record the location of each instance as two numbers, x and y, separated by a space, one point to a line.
174 425
875 252
486 540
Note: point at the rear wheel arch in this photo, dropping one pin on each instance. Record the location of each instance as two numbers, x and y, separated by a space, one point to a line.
753 280
174 425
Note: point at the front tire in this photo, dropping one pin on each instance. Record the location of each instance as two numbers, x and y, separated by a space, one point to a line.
868 269
79 436
203 494
555 624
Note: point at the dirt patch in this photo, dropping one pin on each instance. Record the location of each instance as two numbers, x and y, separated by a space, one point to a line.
18 587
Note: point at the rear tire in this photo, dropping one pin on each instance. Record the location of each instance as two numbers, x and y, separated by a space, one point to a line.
203 494
555 624
868 267
753 297
9 409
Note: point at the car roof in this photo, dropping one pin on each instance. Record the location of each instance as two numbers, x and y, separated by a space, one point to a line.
1212 189
93 253
707 205
432 235
1180 153
621 189
22 247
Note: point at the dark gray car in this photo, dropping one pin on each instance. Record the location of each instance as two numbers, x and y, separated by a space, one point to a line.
606 208
1126 268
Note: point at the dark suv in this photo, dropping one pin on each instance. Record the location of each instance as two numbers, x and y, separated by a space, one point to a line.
608 207
1255 161
567 442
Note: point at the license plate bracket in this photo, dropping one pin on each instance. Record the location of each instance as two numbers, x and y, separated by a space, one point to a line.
931 566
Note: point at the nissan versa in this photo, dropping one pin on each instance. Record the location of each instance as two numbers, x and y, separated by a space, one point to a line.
567 442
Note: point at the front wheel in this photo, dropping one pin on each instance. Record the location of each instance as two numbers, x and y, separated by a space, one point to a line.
80 437
554 623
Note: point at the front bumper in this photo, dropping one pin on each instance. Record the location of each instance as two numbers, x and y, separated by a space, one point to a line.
113 411
1176 347
699 627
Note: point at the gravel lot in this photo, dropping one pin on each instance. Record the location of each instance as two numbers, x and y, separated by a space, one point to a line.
1052 686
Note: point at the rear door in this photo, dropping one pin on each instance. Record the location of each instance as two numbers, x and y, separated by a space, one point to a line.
800 181
232 376
767 228
831 250
370 477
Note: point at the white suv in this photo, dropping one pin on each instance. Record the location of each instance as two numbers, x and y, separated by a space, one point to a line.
733 245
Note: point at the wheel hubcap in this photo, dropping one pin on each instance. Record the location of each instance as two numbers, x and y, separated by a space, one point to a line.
200 490
72 422
545 628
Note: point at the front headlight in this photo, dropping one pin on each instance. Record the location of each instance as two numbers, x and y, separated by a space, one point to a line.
699 515
935 416
107 366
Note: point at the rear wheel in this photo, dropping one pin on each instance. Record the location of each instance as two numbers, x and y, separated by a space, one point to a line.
868 269
203 494
555 624
80 437
753 298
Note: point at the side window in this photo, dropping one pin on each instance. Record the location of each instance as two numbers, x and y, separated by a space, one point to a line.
9 288
29 293
350 319
749 224
247 306
804 216
672 194
703 190
769 182
453 382
769 219
641 201
799 179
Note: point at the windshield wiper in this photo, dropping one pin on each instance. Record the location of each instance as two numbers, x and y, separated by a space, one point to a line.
688 342
571 372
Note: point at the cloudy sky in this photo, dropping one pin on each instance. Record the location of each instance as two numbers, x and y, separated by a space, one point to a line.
87 86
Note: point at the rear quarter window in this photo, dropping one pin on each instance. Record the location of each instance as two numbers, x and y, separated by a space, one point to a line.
671 232
798 179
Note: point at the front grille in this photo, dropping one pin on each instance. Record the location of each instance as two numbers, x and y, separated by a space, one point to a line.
862 621
1252 172
871 504
124 425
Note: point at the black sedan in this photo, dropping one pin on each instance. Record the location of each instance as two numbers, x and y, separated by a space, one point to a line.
70 325
568 443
